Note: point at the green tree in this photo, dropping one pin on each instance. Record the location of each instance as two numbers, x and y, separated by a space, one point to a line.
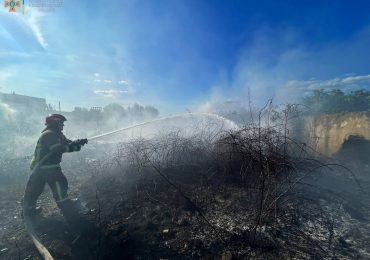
336 101
114 110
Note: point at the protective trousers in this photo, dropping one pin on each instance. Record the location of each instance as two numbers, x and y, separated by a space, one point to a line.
54 178
59 186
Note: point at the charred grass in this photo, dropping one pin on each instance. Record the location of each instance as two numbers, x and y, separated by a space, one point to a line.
251 193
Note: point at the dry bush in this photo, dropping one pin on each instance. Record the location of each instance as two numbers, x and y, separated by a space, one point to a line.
246 189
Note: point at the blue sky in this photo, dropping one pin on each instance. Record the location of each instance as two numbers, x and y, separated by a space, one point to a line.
184 54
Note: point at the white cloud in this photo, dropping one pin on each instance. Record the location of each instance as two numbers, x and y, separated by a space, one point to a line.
108 81
97 80
125 82
353 79
110 92
96 74
339 82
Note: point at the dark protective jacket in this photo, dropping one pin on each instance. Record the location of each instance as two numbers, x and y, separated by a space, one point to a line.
52 140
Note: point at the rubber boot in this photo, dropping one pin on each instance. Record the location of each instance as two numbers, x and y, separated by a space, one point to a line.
72 213
30 209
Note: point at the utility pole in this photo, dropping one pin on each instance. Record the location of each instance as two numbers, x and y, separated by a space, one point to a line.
59 106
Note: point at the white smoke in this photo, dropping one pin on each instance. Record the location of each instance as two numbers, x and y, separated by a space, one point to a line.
18 134
278 64
7 114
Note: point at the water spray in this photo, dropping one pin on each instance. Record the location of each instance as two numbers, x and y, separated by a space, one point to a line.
231 123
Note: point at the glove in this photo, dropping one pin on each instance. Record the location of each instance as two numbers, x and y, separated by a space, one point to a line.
76 145
81 142
73 147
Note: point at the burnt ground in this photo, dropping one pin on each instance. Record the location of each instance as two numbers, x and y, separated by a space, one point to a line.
14 240
138 215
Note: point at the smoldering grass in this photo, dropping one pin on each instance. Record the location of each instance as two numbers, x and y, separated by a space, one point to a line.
246 186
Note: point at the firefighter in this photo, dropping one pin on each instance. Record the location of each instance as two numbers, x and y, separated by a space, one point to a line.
52 143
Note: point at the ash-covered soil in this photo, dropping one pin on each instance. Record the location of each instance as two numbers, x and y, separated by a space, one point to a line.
151 220
189 211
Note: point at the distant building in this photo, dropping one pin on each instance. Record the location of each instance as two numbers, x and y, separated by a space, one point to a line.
22 103
96 109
